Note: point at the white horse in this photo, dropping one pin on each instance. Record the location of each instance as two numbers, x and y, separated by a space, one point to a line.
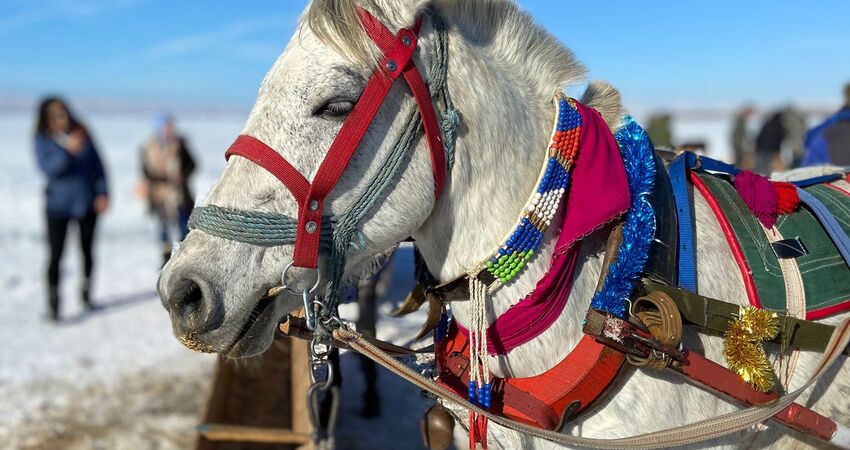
502 75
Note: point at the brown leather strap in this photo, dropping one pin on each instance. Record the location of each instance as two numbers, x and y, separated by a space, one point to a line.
296 327
718 378
721 380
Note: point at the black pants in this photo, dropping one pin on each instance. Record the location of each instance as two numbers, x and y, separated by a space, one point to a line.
57 230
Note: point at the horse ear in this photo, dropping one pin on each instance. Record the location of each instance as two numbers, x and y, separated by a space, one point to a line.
604 98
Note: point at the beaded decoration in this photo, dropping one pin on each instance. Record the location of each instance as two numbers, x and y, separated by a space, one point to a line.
517 249
520 245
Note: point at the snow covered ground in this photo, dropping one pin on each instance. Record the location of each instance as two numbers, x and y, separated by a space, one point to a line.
117 379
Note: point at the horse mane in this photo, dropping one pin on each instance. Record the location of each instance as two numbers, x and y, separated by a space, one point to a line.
508 35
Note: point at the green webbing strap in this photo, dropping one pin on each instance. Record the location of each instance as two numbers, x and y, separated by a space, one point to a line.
714 316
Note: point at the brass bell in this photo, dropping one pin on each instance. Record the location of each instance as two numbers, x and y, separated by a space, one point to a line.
437 426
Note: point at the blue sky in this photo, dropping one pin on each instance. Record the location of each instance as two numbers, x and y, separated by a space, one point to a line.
658 53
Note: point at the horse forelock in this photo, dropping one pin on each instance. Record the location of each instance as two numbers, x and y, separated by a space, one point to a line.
498 27
335 22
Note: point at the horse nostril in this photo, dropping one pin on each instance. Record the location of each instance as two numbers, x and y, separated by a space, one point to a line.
187 298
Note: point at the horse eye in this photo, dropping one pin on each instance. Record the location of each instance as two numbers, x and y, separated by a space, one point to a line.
335 108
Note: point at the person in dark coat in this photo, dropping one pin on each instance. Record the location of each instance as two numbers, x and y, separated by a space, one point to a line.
167 165
742 144
76 191
829 142
769 144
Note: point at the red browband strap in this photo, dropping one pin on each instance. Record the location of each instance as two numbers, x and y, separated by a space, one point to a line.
397 62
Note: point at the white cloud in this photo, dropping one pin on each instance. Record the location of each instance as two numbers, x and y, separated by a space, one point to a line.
62 10
223 37
206 39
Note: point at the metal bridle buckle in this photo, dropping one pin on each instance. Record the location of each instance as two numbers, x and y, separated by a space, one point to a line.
321 380
309 312
299 291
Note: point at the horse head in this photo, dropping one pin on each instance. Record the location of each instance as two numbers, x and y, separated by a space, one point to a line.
501 71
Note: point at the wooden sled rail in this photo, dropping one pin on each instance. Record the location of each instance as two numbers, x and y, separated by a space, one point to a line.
238 433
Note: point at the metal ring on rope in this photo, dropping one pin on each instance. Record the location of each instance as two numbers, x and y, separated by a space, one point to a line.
299 291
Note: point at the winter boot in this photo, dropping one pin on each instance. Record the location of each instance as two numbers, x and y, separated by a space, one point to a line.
85 295
53 303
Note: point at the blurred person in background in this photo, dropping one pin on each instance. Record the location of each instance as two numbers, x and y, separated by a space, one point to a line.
659 131
769 144
742 142
829 142
167 165
794 123
76 191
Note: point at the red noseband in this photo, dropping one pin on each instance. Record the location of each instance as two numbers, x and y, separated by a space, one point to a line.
397 62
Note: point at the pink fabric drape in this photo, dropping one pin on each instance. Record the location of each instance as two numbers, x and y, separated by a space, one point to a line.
598 194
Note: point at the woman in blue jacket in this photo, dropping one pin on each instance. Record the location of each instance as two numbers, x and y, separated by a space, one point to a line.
76 190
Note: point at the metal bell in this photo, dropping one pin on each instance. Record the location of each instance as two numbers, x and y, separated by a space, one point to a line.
437 426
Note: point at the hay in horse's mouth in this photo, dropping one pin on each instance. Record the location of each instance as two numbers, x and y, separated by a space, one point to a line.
255 316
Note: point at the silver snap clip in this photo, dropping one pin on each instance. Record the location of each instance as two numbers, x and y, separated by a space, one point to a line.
311 227
406 41
314 205
391 65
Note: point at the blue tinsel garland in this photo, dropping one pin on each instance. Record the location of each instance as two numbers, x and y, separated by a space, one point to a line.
639 229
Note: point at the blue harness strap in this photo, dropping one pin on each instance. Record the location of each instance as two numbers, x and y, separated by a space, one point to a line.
830 225
684 212
817 180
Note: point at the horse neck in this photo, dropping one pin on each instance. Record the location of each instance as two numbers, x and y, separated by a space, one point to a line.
500 151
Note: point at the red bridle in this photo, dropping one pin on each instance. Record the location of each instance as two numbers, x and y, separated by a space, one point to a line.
397 62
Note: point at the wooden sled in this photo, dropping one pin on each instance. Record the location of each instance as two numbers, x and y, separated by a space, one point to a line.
259 404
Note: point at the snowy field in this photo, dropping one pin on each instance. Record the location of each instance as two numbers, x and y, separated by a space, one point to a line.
117 379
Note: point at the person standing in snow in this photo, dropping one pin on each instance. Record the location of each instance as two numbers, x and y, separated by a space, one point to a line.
167 165
76 191
742 143
769 144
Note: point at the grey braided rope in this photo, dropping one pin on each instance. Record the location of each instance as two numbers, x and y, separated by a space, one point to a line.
440 86
265 229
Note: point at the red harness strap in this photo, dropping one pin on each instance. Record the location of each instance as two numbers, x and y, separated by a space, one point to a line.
545 400
398 52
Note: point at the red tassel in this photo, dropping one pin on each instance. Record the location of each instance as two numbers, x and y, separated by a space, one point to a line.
759 195
473 431
789 198
477 431
482 431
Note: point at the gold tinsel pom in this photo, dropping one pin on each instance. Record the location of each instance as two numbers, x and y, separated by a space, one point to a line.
743 348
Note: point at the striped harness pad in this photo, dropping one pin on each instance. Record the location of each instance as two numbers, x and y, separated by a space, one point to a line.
800 263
